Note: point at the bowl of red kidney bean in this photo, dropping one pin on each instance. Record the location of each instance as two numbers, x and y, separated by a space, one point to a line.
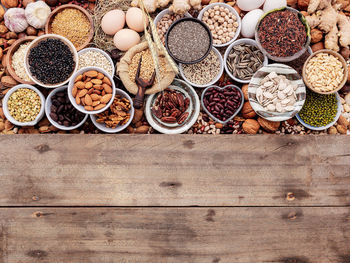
222 103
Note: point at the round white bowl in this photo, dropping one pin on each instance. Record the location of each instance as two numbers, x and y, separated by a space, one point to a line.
119 128
100 51
228 50
164 12
209 83
71 85
6 110
239 21
48 104
34 43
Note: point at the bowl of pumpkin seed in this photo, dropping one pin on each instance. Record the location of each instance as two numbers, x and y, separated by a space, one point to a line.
242 59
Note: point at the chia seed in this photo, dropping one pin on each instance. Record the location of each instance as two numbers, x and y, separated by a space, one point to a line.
51 61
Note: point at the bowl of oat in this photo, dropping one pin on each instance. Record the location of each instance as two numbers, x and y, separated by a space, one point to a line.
276 92
325 72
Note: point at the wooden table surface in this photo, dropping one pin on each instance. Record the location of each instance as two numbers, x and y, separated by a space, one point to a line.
159 198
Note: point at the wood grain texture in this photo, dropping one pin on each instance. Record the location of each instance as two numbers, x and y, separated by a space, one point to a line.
184 235
182 170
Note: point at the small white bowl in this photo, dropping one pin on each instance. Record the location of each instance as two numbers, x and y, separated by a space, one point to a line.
119 128
232 10
209 83
6 110
71 85
100 51
34 43
164 12
228 50
48 104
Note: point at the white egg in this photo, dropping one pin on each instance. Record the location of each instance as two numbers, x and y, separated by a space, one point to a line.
248 5
249 22
125 39
273 4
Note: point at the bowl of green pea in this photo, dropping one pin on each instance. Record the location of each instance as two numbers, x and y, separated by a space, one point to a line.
320 111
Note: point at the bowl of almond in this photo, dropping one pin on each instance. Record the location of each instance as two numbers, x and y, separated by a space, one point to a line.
91 90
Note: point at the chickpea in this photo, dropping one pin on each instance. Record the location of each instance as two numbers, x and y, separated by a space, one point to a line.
221 20
217 13
221 8
210 22
211 27
231 34
222 14
216 7
220 32
225 24
228 39
206 13
226 10
234 18
212 14
216 17
216 24
235 24
230 21
224 29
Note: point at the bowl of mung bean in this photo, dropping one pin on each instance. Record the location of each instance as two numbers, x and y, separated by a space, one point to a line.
242 59
95 57
72 22
51 60
15 60
204 73
24 105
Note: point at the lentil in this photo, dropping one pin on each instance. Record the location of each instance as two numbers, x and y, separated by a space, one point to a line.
282 34
95 59
18 62
324 72
182 43
203 72
319 109
51 61
24 105
72 24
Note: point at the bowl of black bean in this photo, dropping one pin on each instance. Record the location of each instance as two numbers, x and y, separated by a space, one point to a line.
51 60
60 111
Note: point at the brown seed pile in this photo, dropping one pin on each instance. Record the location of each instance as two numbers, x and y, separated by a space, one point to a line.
93 90
72 24
117 114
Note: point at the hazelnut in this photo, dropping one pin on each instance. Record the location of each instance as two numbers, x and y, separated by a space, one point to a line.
341 129
245 91
332 130
318 46
31 31
251 126
345 52
9 3
343 121
247 111
269 126
316 35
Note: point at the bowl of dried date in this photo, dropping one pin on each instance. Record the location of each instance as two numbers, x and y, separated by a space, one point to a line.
173 110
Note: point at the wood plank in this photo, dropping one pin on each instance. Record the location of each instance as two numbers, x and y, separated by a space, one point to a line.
181 170
184 235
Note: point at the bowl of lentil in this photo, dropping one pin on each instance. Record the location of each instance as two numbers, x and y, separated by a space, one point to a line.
95 57
60 111
181 44
242 59
283 34
24 105
324 72
228 20
320 111
118 116
15 60
72 22
51 60
97 89
204 73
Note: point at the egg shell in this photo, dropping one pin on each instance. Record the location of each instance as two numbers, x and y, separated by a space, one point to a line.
134 19
250 21
273 4
113 21
125 39
248 5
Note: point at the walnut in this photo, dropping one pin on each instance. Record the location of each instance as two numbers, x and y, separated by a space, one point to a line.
269 126
251 126
316 35
247 111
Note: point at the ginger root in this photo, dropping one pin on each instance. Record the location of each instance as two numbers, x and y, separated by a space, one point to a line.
326 16
177 6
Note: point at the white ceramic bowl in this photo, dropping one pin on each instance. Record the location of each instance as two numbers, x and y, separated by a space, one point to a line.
119 128
164 12
6 110
100 51
71 85
209 83
34 43
228 50
48 104
200 16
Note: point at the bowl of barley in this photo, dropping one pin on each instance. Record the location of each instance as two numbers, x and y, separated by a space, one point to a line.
325 72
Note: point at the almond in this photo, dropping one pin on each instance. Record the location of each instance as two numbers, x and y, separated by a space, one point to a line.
8 81
107 81
95 96
88 100
100 106
106 98
2 115
99 87
82 93
88 85
100 75
74 91
91 74
95 103
97 92
90 91
142 129
79 78
77 100
89 108
107 88
82 101
103 93
80 85
96 81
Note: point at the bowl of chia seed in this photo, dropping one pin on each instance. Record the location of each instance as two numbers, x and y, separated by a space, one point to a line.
188 40
51 60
